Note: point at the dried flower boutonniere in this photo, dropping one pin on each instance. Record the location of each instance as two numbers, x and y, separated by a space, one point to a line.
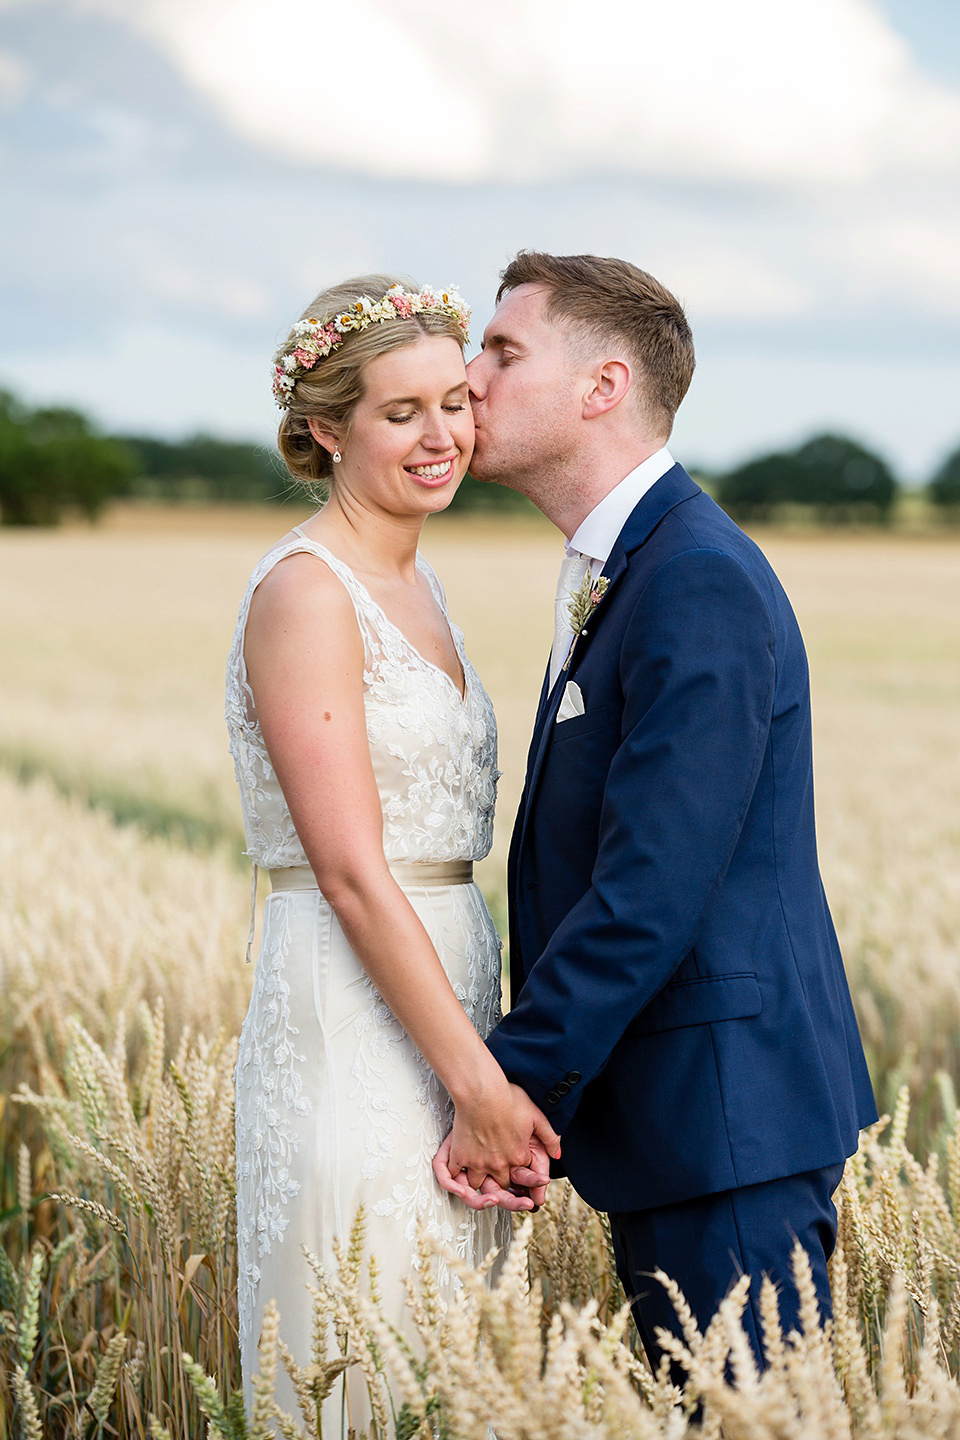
582 604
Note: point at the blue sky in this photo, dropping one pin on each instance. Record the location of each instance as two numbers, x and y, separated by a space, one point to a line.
182 175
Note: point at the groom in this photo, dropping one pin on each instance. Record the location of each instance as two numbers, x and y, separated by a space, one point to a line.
680 1011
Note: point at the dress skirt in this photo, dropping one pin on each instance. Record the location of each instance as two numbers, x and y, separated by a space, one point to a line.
336 1109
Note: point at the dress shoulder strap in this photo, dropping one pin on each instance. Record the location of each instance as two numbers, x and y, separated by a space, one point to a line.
363 603
438 591
364 608
368 613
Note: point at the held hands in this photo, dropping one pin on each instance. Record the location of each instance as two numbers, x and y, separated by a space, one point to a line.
499 1145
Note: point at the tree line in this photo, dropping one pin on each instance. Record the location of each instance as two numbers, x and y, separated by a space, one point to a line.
54 461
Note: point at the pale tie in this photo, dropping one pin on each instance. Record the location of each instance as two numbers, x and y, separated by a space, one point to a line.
575 566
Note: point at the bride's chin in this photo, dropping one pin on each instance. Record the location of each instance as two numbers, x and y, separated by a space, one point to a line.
444 499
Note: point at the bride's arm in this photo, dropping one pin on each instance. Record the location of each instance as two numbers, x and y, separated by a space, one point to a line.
304 658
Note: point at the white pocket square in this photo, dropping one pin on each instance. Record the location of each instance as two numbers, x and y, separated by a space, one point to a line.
572 702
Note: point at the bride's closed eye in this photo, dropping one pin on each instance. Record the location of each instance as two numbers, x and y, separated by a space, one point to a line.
402 419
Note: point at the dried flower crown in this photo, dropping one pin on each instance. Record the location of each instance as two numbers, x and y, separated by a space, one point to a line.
311 340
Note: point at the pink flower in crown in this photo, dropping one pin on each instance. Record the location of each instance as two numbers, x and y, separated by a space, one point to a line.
313 341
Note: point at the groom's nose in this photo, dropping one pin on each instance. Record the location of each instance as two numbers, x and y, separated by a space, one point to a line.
475 377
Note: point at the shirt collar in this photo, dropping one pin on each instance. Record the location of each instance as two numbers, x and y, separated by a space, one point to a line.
595 535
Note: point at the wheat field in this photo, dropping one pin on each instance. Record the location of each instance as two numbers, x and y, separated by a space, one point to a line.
123 988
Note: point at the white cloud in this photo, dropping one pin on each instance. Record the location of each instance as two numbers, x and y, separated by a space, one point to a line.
322 81
888 257
14 80
527 89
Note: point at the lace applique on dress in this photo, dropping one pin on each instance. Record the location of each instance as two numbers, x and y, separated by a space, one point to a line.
434 753
269 1075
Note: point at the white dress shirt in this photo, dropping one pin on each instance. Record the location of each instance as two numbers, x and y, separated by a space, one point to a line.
594 538
596 534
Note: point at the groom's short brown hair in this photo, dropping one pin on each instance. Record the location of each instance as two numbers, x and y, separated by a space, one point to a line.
608 300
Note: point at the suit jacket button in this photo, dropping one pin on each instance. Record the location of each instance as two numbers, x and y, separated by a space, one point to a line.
552 1097
563 1088
573 1076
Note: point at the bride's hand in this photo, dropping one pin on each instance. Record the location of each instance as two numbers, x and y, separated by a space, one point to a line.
528 1183
489 1195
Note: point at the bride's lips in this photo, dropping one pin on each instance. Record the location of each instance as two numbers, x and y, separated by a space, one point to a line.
427 475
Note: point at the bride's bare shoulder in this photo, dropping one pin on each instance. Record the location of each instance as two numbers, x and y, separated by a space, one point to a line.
299 593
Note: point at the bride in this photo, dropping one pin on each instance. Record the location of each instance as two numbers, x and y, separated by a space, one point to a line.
365 753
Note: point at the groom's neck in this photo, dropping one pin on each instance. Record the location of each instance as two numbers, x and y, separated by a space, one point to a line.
567 500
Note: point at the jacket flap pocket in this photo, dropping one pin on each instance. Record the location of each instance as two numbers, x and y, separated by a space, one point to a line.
600 719
700 1002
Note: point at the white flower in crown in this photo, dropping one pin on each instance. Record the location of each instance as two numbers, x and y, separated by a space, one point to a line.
311 339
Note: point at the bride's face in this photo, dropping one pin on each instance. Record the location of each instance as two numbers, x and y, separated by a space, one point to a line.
411 435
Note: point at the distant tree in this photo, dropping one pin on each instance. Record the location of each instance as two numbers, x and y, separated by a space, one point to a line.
842 479
52 460
835 477
754 490
945 487
203 468
485 496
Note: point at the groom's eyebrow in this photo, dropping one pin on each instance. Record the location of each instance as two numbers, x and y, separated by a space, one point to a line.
497 342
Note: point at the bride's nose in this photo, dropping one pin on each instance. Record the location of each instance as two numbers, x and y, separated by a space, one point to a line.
437 434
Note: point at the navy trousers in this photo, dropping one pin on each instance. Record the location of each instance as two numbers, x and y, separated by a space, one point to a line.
706 1244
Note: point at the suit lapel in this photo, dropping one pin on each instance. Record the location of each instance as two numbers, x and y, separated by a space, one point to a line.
544 695
668 492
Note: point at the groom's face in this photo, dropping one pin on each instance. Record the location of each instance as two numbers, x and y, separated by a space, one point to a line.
526 390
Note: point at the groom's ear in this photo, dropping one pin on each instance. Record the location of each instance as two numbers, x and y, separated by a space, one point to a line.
609 383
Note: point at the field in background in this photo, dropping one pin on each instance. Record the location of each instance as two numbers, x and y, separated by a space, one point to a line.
119 951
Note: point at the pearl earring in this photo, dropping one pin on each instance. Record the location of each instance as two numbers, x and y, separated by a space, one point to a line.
337 457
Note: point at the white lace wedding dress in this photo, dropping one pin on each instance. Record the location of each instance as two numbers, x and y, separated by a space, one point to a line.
334 1105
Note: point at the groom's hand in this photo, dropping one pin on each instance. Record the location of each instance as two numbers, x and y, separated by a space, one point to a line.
489 1194
504 1140
528 1183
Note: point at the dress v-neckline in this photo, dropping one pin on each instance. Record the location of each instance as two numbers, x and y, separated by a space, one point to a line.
462 695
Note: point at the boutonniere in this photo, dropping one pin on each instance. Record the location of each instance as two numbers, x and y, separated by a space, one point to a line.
582 604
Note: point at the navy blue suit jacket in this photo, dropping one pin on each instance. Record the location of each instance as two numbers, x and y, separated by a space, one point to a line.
680 1009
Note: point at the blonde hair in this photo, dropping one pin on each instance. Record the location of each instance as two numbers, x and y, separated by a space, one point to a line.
329 393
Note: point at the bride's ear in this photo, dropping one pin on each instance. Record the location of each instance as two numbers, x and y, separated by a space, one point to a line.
323 437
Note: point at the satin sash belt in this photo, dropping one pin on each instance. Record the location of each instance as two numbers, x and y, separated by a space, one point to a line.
428 873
